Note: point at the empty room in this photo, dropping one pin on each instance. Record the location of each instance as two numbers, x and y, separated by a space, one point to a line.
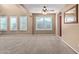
39 29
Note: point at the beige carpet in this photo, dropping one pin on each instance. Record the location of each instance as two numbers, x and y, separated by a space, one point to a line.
33 44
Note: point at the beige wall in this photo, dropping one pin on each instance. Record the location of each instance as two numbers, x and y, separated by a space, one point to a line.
71 31
16 10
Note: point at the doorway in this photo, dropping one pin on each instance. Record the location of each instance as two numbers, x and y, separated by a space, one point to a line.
60 24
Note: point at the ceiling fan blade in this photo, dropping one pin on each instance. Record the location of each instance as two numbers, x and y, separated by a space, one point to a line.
50 10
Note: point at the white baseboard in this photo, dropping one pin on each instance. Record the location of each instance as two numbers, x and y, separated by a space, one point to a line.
67 44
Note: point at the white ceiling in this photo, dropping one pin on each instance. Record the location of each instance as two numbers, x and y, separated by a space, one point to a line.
37 8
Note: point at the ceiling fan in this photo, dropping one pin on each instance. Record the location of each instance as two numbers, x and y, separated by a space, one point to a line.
45 10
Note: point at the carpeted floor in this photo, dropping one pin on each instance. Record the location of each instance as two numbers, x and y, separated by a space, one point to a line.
33 44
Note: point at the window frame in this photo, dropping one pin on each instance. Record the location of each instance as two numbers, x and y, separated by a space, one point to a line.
43 20
16 24
6 23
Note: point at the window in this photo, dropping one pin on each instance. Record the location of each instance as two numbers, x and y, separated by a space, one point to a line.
44 23
23 23
13 23
3 23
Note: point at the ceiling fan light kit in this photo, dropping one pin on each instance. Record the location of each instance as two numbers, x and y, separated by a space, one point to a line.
44 10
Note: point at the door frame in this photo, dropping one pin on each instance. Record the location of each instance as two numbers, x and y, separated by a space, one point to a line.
60 24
